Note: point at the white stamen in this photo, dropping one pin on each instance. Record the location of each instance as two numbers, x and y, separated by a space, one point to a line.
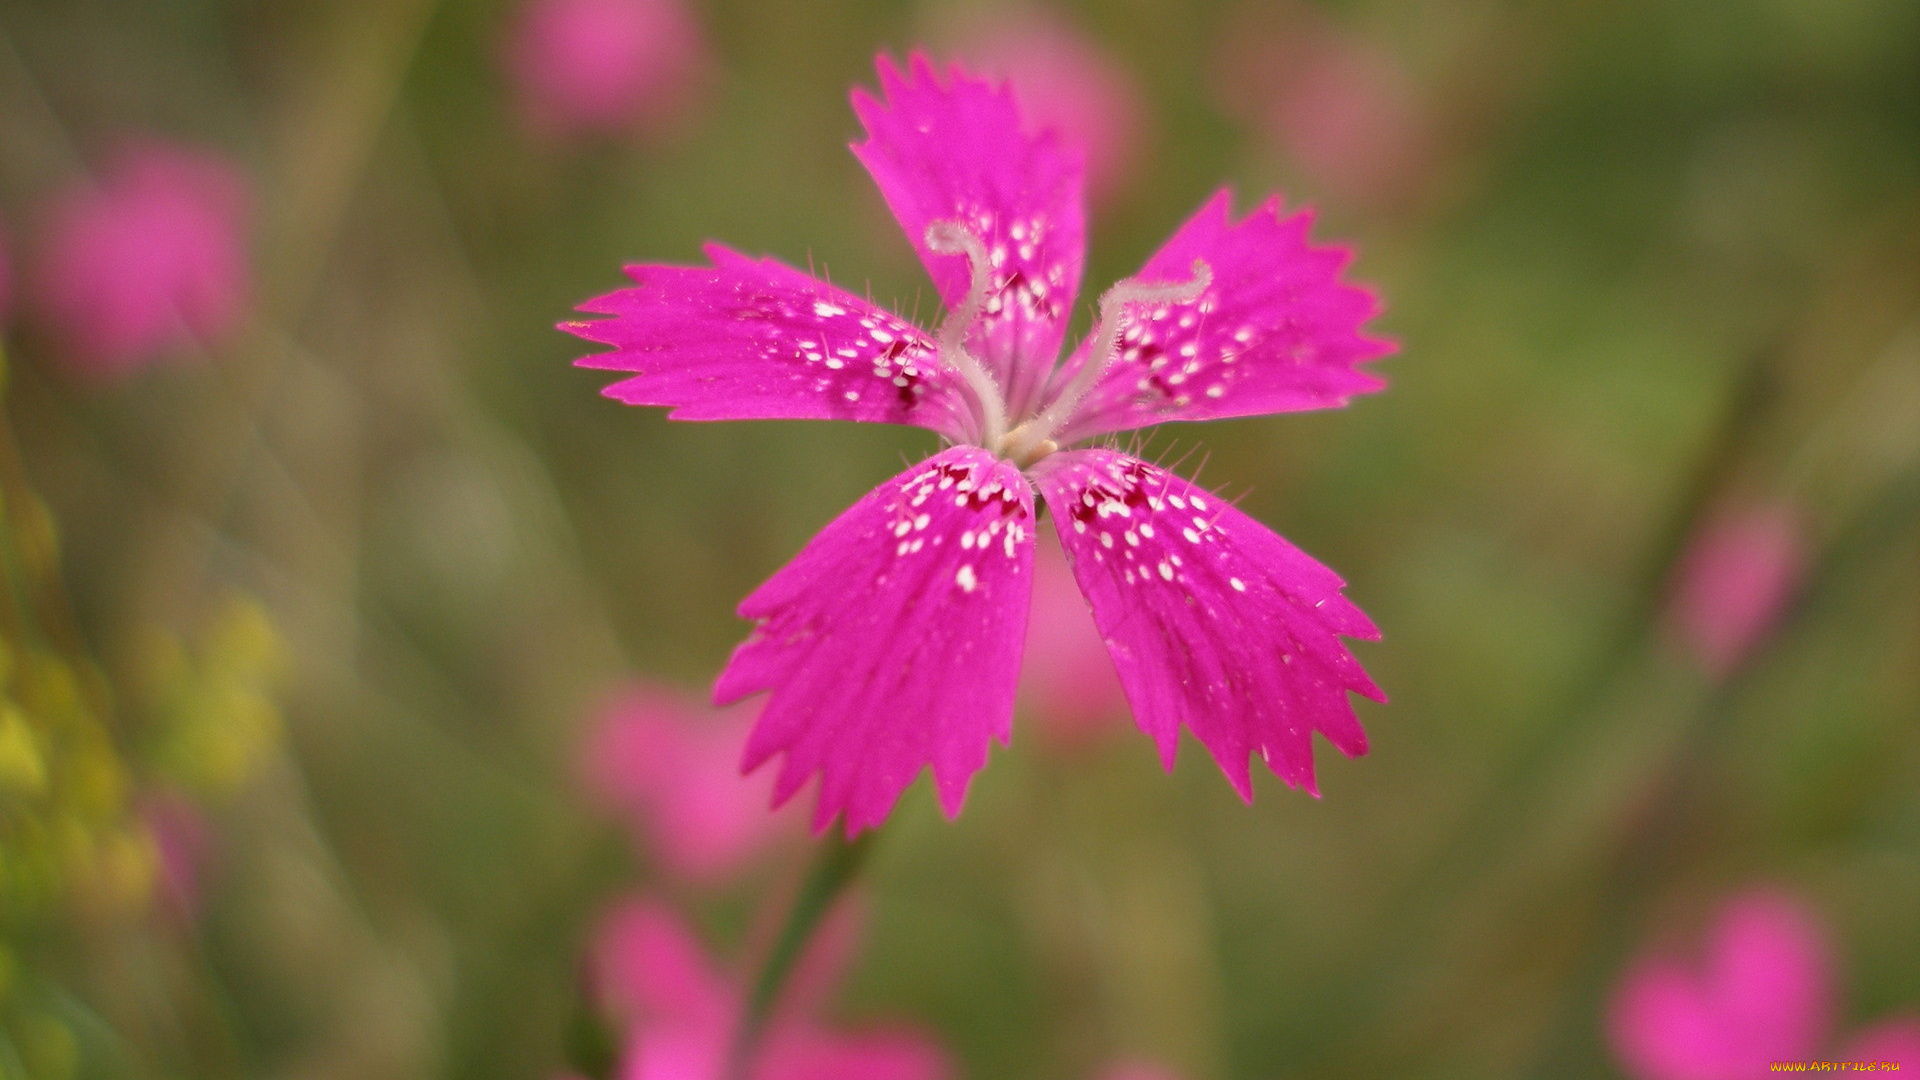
1021 443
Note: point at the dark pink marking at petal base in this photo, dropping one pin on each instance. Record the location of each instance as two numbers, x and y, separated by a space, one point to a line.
752 339
958 152
1213 621
1277 331
893 640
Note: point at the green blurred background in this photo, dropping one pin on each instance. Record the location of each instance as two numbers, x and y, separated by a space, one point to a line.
358 579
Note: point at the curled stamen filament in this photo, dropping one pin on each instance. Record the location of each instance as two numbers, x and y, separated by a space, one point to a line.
953 238
1025 442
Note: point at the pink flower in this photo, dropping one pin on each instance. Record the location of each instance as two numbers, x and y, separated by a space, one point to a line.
184 846
6 282
1896 1040
680 1013
1337 104
671 768
1066 82
1736 580
147 261
603 67
1067 679
1761 993
893 641
1136 1070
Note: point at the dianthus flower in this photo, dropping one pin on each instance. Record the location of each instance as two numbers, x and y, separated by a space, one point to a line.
149 260
893 640
602 67
1737 579
680 1011
6 282
671 768
1761 993
1339 105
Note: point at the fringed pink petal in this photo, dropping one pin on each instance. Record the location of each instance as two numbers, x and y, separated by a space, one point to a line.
752 339
893 640
1276 331
957 151
1213 621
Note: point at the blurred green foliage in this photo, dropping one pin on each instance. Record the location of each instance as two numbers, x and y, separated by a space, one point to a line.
1665 252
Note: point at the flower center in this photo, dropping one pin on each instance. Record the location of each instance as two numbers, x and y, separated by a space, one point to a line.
1032 438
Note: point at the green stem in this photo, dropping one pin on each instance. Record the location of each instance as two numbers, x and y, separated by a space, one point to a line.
834 868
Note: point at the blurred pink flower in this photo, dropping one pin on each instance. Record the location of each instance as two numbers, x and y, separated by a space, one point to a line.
183 845
1340 106
1067 82
6 281
671 768
148 260
1136 1070
1896 1040
1762 992
1067 680
1736 579
603 67
679 1013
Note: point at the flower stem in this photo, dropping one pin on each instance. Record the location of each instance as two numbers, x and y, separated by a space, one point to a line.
834 868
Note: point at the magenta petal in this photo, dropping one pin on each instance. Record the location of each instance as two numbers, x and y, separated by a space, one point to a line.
1213 621
959 152
751 339
893 640
1277 331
